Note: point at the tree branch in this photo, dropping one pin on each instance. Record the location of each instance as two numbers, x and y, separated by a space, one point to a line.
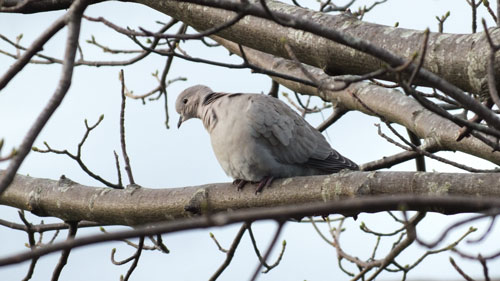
337 59
42 5
393 105
71 201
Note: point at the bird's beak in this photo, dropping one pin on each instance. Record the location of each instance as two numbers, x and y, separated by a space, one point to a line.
180 122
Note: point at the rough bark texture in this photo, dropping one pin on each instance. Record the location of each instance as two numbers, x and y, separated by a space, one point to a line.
461 59
42 5
71 201
393 105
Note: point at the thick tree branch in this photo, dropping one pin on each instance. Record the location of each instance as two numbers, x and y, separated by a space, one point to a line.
393 105
134 206
42 5
467 71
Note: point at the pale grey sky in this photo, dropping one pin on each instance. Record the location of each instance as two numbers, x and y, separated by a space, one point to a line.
174 158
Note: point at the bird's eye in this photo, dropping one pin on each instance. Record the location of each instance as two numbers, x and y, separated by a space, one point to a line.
184 101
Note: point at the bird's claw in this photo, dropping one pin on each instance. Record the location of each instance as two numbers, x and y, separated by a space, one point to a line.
240 184
266 181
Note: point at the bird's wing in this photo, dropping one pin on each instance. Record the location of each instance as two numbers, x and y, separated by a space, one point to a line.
290 138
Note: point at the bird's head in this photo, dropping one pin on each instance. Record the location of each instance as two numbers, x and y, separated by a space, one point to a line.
189 101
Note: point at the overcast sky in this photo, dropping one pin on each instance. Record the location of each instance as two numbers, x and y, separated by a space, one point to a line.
163 158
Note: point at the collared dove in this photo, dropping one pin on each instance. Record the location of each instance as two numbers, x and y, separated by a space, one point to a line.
257 138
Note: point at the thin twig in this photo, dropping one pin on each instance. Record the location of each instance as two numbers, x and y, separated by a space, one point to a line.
441 21
485 267
128 168
460 271
73 227
268 251
118 170
428 154
40 228
275 86
146 33
78 156
136 256
338 112
488 231
35 47
217 243
230 252
486 4
122 262
159 244
423 51
31 240
444 234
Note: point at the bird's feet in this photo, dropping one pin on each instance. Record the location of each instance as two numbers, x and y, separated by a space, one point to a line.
266 181
239 183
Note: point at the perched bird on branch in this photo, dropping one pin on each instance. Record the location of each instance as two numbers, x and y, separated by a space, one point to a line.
257 138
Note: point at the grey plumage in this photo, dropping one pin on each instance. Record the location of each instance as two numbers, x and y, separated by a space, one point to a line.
256 136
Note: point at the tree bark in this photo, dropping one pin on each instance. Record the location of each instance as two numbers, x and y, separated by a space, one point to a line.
41 5
71 201
458 58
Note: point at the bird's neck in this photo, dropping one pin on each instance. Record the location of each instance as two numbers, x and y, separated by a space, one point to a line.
208 116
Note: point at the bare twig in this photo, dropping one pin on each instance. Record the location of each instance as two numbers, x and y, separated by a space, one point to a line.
419 160
338 112
35 47
262 260
449 247
327 6
275 86
441 21
122 262
423 51
428 154
217 243
136 257
411 236
398 158
146 33
31 240
473 5
40 228
486 4
128 168
158 242
460 271
73 227
230 252
321 233
118 171
488 231
445 232
485 267
78 156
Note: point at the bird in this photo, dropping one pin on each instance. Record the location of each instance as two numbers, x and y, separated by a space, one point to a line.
257 138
